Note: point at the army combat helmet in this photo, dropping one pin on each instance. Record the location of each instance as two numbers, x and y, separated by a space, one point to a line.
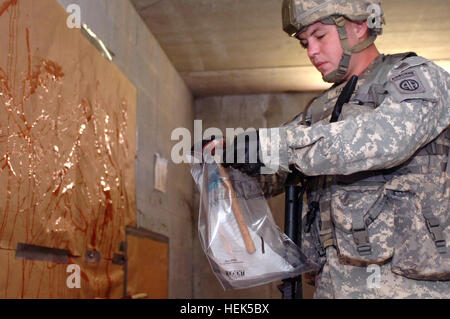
299 14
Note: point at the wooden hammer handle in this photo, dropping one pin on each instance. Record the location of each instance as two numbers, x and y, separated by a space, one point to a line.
249 244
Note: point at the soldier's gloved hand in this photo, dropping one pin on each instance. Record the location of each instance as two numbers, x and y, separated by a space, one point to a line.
246 150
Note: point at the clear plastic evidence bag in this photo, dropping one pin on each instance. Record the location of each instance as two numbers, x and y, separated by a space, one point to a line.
244 246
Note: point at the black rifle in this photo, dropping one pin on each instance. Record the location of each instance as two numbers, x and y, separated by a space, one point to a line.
292 288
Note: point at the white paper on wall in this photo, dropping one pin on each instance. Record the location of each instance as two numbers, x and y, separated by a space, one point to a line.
160 173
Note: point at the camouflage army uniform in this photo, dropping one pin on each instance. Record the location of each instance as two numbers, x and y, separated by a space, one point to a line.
381 176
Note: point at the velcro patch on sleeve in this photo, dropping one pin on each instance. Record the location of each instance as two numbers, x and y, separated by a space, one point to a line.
408 83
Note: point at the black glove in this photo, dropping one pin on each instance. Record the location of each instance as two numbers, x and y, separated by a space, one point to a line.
246 151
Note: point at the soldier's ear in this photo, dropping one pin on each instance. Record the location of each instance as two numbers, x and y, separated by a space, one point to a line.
359 30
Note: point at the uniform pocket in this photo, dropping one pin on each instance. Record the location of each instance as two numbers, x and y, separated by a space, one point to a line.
363 224
421 227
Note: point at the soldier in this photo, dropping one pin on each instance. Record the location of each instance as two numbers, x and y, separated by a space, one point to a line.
378 189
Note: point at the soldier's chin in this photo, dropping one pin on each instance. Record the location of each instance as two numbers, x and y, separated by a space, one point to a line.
326 72
323 72
329 77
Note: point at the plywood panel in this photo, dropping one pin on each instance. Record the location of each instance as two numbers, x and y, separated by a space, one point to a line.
31 279
148 267
67 149
67 135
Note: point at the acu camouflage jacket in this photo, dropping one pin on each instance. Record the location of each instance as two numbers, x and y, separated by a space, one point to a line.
381 179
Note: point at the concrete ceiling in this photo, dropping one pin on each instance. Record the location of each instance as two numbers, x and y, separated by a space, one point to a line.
223 47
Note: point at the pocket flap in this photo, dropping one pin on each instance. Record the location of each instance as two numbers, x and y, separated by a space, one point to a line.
356 206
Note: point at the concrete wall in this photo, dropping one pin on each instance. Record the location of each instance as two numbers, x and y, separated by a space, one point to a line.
163 103
257 111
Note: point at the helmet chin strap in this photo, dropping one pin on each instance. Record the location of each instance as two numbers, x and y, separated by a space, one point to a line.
338 75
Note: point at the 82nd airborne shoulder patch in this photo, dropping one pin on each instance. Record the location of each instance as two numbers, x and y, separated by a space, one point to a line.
408 83
411 82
